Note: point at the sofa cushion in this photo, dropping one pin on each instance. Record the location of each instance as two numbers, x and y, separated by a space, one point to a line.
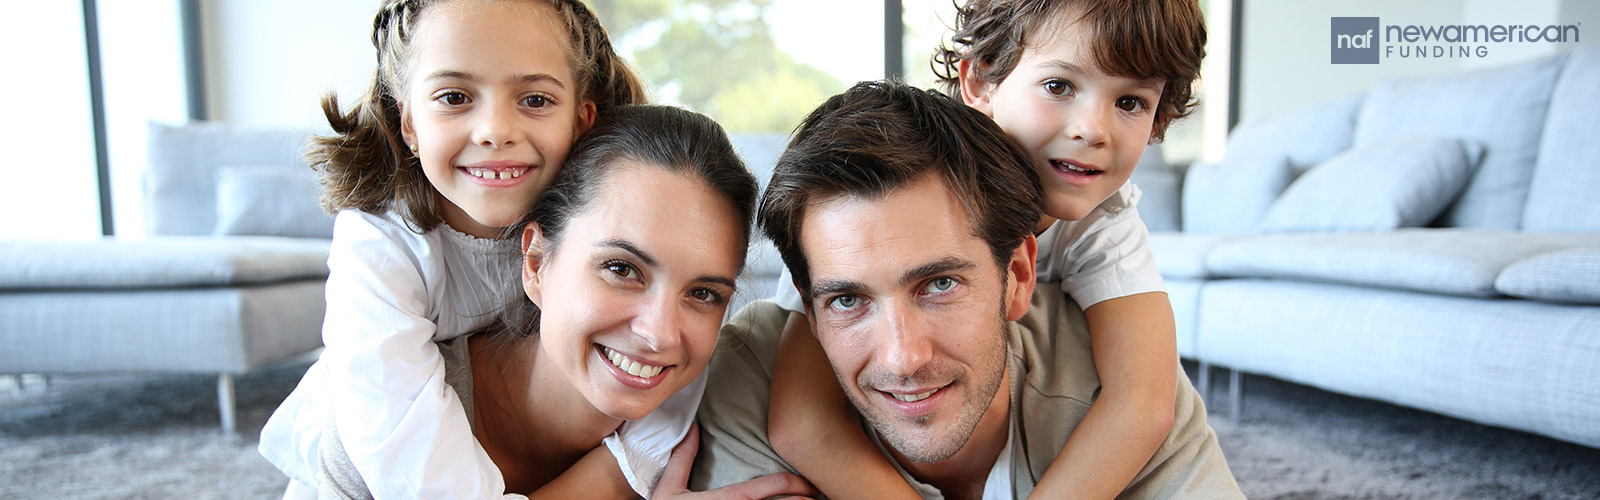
180 180
160 262
1504 108
1160 187
1231 196
1561 276
1376 187
270 200
1444 261
1567 174
1183 255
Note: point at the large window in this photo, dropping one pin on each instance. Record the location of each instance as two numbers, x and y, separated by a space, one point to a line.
754 65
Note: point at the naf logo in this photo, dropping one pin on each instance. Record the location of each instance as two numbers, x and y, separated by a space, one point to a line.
1355 40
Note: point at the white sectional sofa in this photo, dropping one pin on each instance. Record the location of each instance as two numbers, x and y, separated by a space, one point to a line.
230 278
1431 242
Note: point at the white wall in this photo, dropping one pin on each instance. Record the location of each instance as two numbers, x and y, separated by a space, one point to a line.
268 63
47 181
1285 46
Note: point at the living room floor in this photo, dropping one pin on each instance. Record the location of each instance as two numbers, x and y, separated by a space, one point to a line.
108 436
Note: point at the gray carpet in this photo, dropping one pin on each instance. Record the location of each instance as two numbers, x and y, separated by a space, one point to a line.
158 437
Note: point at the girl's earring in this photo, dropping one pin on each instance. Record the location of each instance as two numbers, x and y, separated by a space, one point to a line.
413 149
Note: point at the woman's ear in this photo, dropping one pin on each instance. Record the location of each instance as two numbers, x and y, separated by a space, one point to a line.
534 248
974 90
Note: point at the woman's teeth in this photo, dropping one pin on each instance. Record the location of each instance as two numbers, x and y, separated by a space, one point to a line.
487 173
912 398
634 368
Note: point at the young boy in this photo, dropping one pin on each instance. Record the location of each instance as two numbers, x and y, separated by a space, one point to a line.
1083 86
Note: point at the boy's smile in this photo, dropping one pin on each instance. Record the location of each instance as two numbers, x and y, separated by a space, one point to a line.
1084 129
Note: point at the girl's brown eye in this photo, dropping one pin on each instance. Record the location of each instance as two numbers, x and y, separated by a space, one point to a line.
454 98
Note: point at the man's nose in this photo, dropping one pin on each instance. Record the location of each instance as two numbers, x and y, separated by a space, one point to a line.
906 345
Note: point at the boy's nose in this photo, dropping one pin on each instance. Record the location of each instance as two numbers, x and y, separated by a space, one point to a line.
1088 125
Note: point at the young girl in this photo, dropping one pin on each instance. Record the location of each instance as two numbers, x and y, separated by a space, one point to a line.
472 110
628 263
1083 86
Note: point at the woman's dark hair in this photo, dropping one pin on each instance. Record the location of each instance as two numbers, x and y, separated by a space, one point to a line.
672 139
365 165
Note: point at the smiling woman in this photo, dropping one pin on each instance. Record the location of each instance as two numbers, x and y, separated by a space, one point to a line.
593 374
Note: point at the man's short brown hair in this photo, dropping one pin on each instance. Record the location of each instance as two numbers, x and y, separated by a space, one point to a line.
1140 39
879 136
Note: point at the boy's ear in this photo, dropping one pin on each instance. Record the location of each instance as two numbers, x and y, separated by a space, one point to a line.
974 90
407 133
1020 270
534 247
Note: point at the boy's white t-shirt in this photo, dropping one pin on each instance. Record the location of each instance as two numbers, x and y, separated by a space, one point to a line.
392 293
1103 256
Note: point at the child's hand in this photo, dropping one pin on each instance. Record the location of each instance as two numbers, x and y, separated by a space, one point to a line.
674 481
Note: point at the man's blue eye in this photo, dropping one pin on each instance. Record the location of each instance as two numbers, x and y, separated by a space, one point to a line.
940 285
846 301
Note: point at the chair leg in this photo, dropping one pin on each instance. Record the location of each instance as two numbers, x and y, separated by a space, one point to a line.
225 403
1205 382
1235 394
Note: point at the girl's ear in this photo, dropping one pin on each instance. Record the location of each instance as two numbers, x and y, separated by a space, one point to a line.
586 114
974 91
407 133
534 248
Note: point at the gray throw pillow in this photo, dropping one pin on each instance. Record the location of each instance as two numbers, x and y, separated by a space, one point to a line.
270 200
1377 187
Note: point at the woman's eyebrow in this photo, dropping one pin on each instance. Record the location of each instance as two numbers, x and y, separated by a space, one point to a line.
629 247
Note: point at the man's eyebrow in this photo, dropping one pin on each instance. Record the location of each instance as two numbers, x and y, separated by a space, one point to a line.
828 286
935 268
629 247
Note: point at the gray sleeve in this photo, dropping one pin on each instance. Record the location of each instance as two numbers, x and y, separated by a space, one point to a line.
337 477
733 413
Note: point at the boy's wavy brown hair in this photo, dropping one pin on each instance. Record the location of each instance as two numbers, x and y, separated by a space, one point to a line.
1139 39
365 165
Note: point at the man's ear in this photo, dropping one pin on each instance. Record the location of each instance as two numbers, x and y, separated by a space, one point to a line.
1020 270
974 90
534 248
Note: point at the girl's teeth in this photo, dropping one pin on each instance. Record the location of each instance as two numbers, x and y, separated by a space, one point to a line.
497 174
634 368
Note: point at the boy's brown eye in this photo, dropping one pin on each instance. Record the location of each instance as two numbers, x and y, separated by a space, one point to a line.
535 101
1057 87
1130 104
